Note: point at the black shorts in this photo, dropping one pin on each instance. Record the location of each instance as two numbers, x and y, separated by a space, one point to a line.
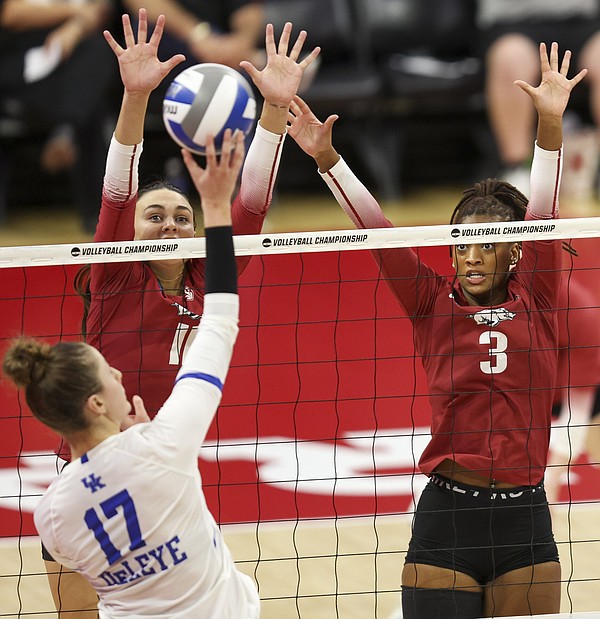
60 464
46 555
481 532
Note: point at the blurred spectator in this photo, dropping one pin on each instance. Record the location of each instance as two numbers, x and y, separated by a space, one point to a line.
221 31
510 34
57 73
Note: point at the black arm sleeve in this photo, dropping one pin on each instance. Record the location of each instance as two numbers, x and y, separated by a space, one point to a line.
221 267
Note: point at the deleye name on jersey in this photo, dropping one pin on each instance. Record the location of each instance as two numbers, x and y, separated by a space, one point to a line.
153 561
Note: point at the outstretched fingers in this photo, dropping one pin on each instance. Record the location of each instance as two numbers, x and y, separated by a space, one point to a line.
566 63
232 149
172 62
157 33
239 151
328 124
226 148
217 178
116 48
297 48
544 60
284 39
554 56
308 60
142 34
128 35
128 31
270 47
575 80
300 104
525 86
211 151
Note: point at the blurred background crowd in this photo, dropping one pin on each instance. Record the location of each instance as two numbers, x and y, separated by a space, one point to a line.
424 91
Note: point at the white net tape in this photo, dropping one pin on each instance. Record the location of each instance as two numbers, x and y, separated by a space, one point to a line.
295 242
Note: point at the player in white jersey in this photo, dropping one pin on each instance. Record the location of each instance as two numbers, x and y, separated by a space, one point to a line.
129 513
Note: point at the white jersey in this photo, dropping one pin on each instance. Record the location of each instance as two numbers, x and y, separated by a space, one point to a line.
130 514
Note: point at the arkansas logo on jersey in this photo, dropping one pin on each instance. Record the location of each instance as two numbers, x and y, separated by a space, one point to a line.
184 311
492 317
188 293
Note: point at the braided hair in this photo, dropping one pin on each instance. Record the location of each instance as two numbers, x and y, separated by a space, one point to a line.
498 200
493 198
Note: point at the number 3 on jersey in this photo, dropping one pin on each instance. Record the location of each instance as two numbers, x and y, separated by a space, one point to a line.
497 344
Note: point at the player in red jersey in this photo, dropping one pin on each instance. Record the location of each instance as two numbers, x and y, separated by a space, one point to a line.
482 541
144 315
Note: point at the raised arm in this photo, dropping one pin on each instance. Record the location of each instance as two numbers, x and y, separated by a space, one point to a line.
401 266
277 82
186 416
550 99
141 72
315 139
552 95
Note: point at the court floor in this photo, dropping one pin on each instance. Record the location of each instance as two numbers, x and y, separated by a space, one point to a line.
325 569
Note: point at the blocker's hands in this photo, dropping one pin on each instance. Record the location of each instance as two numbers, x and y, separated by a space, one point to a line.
279 81
552 95
141 70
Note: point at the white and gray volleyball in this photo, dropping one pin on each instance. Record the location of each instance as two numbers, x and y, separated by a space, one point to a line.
207 99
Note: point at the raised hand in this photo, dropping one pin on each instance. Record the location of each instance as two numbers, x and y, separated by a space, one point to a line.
141 70
313 136
552 95
278 82
216 182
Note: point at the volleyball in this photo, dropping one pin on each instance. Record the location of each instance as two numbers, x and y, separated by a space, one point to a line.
205 99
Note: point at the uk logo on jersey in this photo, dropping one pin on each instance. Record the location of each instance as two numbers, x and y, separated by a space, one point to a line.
492 317
93 483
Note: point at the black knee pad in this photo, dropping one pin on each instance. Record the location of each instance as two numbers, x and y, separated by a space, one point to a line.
420 603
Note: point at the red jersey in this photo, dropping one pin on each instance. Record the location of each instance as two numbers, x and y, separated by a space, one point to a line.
490 371
138 328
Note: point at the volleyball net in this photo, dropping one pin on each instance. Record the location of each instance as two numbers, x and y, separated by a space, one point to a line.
311 464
